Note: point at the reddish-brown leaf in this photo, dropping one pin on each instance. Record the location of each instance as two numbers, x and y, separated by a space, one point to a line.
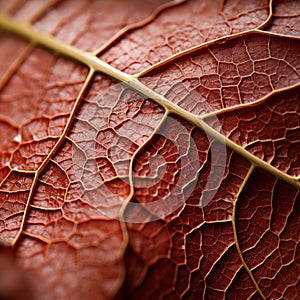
110 191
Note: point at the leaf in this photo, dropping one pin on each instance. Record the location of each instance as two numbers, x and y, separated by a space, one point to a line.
150 150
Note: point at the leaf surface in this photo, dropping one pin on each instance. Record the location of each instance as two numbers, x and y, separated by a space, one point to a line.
162 165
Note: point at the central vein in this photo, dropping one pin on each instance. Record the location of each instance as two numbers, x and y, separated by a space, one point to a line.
26 31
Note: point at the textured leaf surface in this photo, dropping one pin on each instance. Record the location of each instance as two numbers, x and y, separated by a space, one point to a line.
162 165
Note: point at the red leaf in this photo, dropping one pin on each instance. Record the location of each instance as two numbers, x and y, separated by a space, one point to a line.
180 181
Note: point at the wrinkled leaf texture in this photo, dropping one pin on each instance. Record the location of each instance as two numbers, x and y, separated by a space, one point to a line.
76 145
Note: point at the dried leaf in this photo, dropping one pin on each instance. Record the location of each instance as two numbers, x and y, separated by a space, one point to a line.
162 165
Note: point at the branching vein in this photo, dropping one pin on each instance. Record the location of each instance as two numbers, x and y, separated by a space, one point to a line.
26 31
